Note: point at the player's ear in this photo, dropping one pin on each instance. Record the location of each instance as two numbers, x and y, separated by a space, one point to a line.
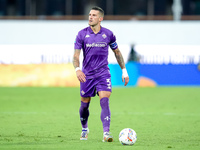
101 19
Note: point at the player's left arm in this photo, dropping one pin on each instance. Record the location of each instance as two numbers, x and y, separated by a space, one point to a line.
121 63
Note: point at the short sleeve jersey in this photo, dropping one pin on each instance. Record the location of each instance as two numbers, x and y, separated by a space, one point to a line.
95 50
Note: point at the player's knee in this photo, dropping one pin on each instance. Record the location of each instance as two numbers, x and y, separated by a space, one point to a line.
103 94
85 99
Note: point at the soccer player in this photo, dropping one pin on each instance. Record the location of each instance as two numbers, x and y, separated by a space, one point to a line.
95 76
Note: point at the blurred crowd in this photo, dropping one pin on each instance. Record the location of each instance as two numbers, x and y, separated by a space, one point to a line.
81 7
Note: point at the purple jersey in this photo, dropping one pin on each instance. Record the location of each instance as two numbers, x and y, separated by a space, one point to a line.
95 50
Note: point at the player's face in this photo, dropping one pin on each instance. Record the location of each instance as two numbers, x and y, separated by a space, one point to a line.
94 18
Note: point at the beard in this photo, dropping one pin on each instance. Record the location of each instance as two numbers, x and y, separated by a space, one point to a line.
92 24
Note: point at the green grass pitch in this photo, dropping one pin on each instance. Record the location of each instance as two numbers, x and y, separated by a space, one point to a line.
48 118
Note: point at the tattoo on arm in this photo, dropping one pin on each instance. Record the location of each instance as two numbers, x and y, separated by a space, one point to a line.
76 58
119 58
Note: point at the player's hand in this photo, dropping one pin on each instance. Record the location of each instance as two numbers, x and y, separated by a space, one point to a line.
81 76
125 80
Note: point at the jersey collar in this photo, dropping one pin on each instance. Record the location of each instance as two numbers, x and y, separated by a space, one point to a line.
90 30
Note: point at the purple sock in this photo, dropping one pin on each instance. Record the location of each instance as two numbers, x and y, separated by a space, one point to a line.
84 114
105 114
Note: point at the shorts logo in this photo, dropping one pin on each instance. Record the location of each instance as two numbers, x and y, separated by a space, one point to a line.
82 92
109 83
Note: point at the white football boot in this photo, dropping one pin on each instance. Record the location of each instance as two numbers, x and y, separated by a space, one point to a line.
107 137
84 134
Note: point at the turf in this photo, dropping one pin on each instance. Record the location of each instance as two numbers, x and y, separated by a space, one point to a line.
48 118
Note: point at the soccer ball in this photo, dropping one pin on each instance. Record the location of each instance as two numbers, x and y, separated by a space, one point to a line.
127 136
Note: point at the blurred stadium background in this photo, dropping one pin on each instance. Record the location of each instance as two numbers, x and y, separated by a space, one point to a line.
159 39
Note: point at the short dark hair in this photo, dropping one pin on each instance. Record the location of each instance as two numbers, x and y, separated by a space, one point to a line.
99 9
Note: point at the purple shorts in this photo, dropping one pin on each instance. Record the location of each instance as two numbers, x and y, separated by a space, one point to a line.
92 86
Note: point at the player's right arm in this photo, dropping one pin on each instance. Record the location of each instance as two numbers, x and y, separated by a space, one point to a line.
80 75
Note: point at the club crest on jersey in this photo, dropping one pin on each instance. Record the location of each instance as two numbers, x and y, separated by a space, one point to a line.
104 36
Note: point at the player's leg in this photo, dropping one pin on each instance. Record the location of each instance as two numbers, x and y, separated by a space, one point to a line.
84 111
87 90
104 89
105 109
84 114
105 116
